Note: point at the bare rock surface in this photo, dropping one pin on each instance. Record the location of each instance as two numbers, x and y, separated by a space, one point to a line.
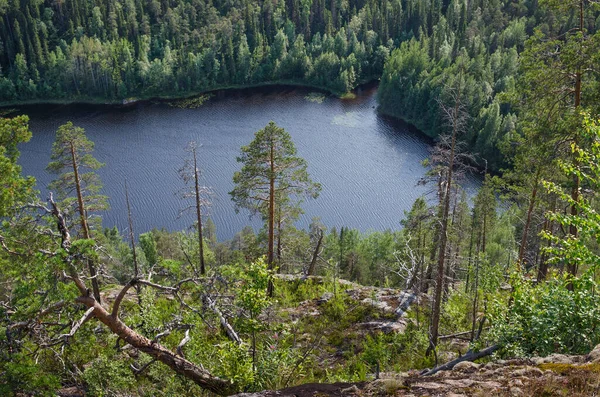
313 390
577 376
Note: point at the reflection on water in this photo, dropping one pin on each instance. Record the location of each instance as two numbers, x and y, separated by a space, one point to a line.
368 165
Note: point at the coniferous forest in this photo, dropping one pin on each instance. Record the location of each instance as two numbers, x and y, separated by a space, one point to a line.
507 89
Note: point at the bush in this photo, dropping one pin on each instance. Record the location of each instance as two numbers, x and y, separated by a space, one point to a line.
549 318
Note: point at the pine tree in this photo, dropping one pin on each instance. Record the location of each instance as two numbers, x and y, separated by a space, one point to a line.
272 176
71 154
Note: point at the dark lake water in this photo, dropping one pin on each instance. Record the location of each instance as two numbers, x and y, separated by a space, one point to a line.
368 165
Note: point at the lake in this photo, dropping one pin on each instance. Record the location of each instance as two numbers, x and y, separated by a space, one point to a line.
369 165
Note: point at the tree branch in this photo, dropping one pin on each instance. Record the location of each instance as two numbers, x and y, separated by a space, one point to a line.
469 356
119 299
183 342
228 328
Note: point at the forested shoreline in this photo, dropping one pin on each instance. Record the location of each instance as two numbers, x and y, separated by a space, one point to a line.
112 52
94 50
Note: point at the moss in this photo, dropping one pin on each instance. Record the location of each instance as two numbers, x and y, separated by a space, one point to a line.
565 369
348 95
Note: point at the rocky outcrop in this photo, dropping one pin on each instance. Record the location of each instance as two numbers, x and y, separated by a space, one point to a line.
556 375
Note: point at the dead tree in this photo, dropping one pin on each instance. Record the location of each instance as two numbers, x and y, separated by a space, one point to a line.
313 262
190 173
446 157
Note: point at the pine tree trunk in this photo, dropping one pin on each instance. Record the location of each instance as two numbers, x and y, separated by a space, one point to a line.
271 220
177 363
84 225
528 220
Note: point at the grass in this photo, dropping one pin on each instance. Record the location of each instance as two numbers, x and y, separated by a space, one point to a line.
570 380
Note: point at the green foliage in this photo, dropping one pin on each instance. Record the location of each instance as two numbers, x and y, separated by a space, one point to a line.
252 297
580 249
456 313
548 318
562 315
98 51
235 362
288 174
21 374
108 375
376 352
71 157
336 309
15 188
149 247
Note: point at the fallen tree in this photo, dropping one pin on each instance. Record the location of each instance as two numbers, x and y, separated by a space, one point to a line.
468 356
69 260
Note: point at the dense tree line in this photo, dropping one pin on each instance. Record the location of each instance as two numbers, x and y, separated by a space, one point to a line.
108 50
115 50
484 41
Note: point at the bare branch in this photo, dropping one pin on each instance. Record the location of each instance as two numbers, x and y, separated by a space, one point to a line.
64 338
228 328
183 342
139 371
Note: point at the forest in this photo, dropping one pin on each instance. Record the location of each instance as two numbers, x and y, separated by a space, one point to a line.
508 88
110 51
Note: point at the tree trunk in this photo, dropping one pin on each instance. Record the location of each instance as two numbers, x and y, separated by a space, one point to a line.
84 224
437 302
572 266
199 215
131 234
197 374
271 221
469 356
313 262
528 220
179 364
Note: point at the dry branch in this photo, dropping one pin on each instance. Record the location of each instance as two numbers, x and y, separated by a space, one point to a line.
469 356
224 323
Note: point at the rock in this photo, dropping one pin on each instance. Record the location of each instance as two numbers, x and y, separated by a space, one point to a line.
443 374
466 366
326 297
72 391
350 390
383 387
528 372
385 327
405 300
516 383
490 385
460 383
490 366
515 391
558 359
447 356
428 386
594 355
377 304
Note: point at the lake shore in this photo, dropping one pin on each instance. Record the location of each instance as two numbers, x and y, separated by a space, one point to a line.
369 165
83 100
